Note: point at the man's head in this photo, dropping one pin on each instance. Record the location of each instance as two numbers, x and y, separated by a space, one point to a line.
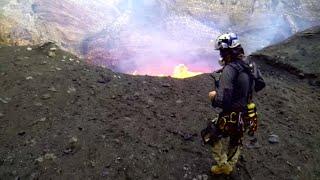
230 48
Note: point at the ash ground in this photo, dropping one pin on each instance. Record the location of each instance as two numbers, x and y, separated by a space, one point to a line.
62 119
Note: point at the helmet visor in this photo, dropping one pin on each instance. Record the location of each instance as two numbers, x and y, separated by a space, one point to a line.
220 45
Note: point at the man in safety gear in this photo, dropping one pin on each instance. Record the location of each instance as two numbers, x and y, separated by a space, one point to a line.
233 94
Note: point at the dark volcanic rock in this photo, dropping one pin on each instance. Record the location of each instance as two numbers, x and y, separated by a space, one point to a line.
273 139
118 126
300 54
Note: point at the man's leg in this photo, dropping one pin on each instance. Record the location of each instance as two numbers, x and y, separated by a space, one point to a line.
234 150
221 158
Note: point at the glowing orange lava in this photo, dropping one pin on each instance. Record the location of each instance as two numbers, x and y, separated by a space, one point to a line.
180 71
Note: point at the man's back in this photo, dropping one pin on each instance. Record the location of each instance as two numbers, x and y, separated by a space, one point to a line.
234 87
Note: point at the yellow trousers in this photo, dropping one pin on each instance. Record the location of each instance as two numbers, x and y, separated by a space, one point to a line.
221 158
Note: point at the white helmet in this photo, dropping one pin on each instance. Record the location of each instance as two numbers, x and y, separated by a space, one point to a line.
227 40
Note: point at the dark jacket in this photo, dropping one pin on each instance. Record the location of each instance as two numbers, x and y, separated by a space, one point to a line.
234 88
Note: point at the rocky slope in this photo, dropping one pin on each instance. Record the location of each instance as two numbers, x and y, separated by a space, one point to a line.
111 32
65 22
300 54
257 20
63 119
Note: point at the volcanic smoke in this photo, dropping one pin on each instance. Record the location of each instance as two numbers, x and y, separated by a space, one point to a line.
149 38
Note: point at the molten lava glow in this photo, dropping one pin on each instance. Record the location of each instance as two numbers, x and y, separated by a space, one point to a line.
181 71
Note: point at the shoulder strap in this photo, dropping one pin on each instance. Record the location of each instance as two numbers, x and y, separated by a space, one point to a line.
243 67
237 67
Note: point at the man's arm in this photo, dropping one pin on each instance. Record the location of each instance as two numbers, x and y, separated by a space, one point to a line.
223 95
216 77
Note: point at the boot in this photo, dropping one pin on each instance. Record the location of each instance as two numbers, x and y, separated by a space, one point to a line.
222 169
221 159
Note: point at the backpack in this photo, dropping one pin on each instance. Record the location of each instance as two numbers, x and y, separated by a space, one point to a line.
259 83
249 67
